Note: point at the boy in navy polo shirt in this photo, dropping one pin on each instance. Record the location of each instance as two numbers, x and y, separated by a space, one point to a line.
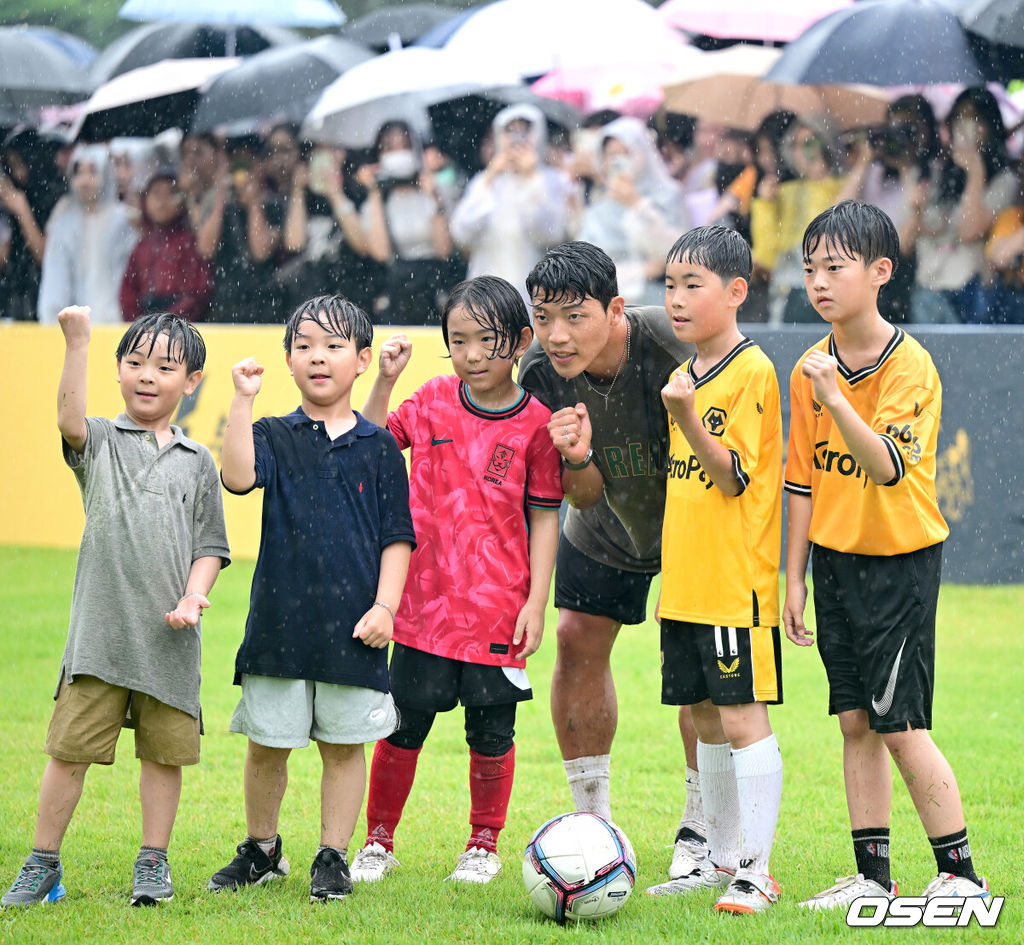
336 539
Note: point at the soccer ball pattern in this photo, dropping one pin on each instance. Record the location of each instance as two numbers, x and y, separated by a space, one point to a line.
579 866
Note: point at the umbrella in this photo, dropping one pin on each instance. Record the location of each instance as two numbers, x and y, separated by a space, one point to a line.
405 22
316 13
630 88
747 19
535 36
143 102
72 46
884 42
280 84
398 85
155 42
728 87
34 72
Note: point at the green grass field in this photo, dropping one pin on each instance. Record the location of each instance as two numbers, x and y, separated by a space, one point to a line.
979 708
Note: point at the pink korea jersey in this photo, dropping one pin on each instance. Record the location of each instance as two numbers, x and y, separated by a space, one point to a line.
473 472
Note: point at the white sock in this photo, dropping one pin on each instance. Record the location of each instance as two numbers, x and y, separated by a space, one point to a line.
267 846
693 812
721 806
588 780
759 789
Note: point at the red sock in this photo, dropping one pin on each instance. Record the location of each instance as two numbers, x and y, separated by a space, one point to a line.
391 775
490 787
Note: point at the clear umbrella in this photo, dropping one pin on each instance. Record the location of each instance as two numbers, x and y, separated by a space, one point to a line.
34 72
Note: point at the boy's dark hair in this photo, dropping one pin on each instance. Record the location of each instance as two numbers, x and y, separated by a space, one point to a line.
855 229
335 314
493 303
717 248
570 272
184 343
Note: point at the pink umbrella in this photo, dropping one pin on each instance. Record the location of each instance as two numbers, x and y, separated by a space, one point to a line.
629 87
775 20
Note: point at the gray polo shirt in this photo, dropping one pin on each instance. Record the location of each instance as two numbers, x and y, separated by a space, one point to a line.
149 513
630 442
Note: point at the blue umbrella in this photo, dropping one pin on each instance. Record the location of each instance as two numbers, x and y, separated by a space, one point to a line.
884 42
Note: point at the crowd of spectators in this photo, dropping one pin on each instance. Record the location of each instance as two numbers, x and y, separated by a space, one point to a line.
242 229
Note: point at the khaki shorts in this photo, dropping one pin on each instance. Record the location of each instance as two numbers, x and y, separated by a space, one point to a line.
287 713
89 714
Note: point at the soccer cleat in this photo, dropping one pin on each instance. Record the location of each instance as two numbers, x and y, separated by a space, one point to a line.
689 856
151 881
846 890
372 864
35 884
329 876
749 892
956 887
476 865
712 877
251 867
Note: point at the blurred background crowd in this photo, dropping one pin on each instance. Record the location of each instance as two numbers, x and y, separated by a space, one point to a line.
132 205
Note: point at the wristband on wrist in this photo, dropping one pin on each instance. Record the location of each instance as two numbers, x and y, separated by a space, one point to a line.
387 607
583 464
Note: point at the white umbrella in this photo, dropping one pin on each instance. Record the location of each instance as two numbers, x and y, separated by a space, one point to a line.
145 101
399 85
533 37
319 13
236 13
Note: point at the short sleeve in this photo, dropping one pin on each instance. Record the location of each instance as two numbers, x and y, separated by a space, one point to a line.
906 418
393 495
800 448
544 471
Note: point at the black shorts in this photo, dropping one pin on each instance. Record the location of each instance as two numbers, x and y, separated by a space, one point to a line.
875 618
585 585
728 665
433 683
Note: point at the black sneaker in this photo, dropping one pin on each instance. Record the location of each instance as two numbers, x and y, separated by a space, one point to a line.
251 867
330 878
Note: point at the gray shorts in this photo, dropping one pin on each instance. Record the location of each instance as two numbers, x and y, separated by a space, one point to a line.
287 713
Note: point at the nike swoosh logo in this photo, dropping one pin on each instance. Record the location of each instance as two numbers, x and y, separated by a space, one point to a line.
434 441
883 705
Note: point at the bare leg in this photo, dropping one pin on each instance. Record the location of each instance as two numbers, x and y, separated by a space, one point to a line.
866 771
266 777
342 786
930 780
159 792
59 793
583 704
689 735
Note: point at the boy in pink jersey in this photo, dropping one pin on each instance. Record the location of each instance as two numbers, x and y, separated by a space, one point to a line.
474 602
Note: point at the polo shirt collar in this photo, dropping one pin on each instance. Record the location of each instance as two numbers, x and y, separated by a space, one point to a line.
363 426
124 422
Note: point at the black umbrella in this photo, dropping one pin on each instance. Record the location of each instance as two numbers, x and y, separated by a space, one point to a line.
1001 21
884 42
34 72
407 21
277 84
154 42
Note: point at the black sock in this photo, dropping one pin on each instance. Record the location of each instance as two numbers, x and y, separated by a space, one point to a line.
50 858
871 848
953 855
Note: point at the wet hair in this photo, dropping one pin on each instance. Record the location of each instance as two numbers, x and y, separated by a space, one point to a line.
493 303
184 343
571 272
854 229
717 248
335 314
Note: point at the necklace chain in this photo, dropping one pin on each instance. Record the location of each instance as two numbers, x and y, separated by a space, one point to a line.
623 358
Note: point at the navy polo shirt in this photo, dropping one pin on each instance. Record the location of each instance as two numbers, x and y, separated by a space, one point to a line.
330 507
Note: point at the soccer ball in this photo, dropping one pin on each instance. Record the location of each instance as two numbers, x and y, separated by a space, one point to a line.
579 866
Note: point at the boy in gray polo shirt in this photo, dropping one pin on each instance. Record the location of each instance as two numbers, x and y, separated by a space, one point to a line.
153 544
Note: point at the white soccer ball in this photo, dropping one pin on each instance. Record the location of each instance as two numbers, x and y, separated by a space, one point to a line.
579 866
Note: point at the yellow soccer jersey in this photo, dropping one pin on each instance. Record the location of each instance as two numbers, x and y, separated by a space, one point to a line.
720 554
900 398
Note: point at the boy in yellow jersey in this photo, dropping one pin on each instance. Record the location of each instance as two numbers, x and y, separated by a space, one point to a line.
719 604
860 474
